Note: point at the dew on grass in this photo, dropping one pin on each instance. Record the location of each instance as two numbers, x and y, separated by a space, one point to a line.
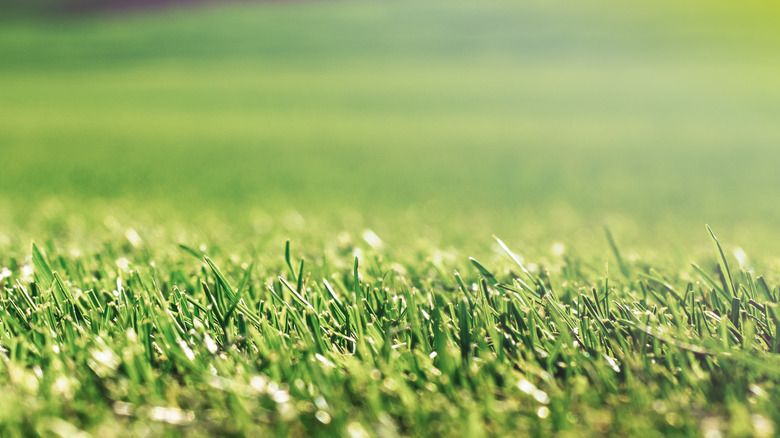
390 384
171 415
762 426
133 237
356 430
711 427
281 396
63 387
122 408
372 239
187 350
323 417
324 361
541 396
106 357
742 258
526 386
211 346
27 273
123 263
612 363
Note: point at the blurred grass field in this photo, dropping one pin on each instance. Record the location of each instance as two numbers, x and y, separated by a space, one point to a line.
406 134
562 115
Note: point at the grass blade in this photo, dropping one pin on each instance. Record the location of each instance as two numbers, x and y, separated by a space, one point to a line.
724 266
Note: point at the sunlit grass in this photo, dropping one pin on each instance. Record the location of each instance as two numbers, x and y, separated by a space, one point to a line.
281 219
174 342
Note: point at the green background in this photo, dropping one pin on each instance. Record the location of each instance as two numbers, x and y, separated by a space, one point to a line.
539 121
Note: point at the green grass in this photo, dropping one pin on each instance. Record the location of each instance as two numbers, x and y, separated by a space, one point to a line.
127 342
280 219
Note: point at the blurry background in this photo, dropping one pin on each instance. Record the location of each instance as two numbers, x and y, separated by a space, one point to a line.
539 121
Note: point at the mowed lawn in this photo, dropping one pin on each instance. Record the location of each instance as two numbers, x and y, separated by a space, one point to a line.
408 135
665 113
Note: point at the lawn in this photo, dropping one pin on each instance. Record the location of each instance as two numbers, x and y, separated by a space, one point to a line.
390 219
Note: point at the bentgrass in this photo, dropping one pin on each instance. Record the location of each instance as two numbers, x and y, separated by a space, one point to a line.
367 350
200 185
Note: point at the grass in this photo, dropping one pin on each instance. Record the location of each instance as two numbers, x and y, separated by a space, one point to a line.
116 343
280 219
